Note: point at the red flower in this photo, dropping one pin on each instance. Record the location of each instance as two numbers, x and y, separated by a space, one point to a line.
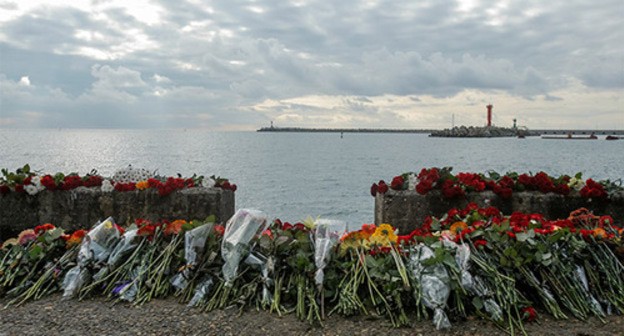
43 228
300 227
27 180
397 182
268 233
506 182
147 230
119 228
219 229
480 242
71 182
511 234
154 183
369 228
406 239
593 189
562 189
92 181
605 221
382 187
529 314
4 189
19 188
373 190
48 182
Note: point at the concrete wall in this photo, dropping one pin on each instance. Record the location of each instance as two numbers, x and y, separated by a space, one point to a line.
407 210
82 207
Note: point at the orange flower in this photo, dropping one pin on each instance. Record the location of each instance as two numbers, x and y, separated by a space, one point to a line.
367 230
174 227
600 232
142 185
75 238
458 227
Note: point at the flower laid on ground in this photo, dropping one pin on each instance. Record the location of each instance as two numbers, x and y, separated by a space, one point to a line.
124 180
470 262
456 186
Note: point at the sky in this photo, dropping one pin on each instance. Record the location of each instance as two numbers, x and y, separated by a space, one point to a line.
238 65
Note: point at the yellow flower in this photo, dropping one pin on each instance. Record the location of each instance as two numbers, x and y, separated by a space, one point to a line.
142 185
384 235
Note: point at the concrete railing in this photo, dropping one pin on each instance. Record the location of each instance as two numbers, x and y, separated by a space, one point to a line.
82 207
407 210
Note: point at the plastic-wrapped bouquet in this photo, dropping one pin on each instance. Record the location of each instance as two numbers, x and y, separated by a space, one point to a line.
327 234
434 283
96 247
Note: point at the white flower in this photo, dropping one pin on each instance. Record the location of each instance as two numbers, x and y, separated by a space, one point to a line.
209 182
412 181
31 189
576 184
107 186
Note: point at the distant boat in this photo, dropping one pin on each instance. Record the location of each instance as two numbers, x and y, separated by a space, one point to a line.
570 137
612 137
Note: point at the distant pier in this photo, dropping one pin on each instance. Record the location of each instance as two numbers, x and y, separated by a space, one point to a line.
580 132
342 130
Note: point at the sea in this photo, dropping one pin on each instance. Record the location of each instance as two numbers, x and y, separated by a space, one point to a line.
293 176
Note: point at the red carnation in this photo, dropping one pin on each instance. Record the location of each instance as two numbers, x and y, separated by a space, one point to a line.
43 228
382 187
92 181
219 229
529 314
397 183
373 190
4 189
480 242
48 182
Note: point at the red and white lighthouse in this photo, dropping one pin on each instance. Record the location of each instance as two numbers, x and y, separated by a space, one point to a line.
489 115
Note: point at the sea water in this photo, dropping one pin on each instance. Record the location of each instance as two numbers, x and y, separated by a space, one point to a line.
295 175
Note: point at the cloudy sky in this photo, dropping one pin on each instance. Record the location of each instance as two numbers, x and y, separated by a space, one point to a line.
237 65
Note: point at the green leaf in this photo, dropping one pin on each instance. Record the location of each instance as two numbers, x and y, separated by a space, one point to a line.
35 251
211 219
476 301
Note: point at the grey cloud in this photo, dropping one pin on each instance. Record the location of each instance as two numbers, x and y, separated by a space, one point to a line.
237 57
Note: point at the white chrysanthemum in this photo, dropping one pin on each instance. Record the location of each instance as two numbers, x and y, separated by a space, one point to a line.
131 175
576 184
31 189
412 181
209 182
107 186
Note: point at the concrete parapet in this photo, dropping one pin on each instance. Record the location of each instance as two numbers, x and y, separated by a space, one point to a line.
82 207
407 210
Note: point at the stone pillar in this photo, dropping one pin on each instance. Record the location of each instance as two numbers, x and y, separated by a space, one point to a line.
82 207
407 210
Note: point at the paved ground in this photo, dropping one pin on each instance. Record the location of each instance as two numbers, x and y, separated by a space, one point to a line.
51 316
